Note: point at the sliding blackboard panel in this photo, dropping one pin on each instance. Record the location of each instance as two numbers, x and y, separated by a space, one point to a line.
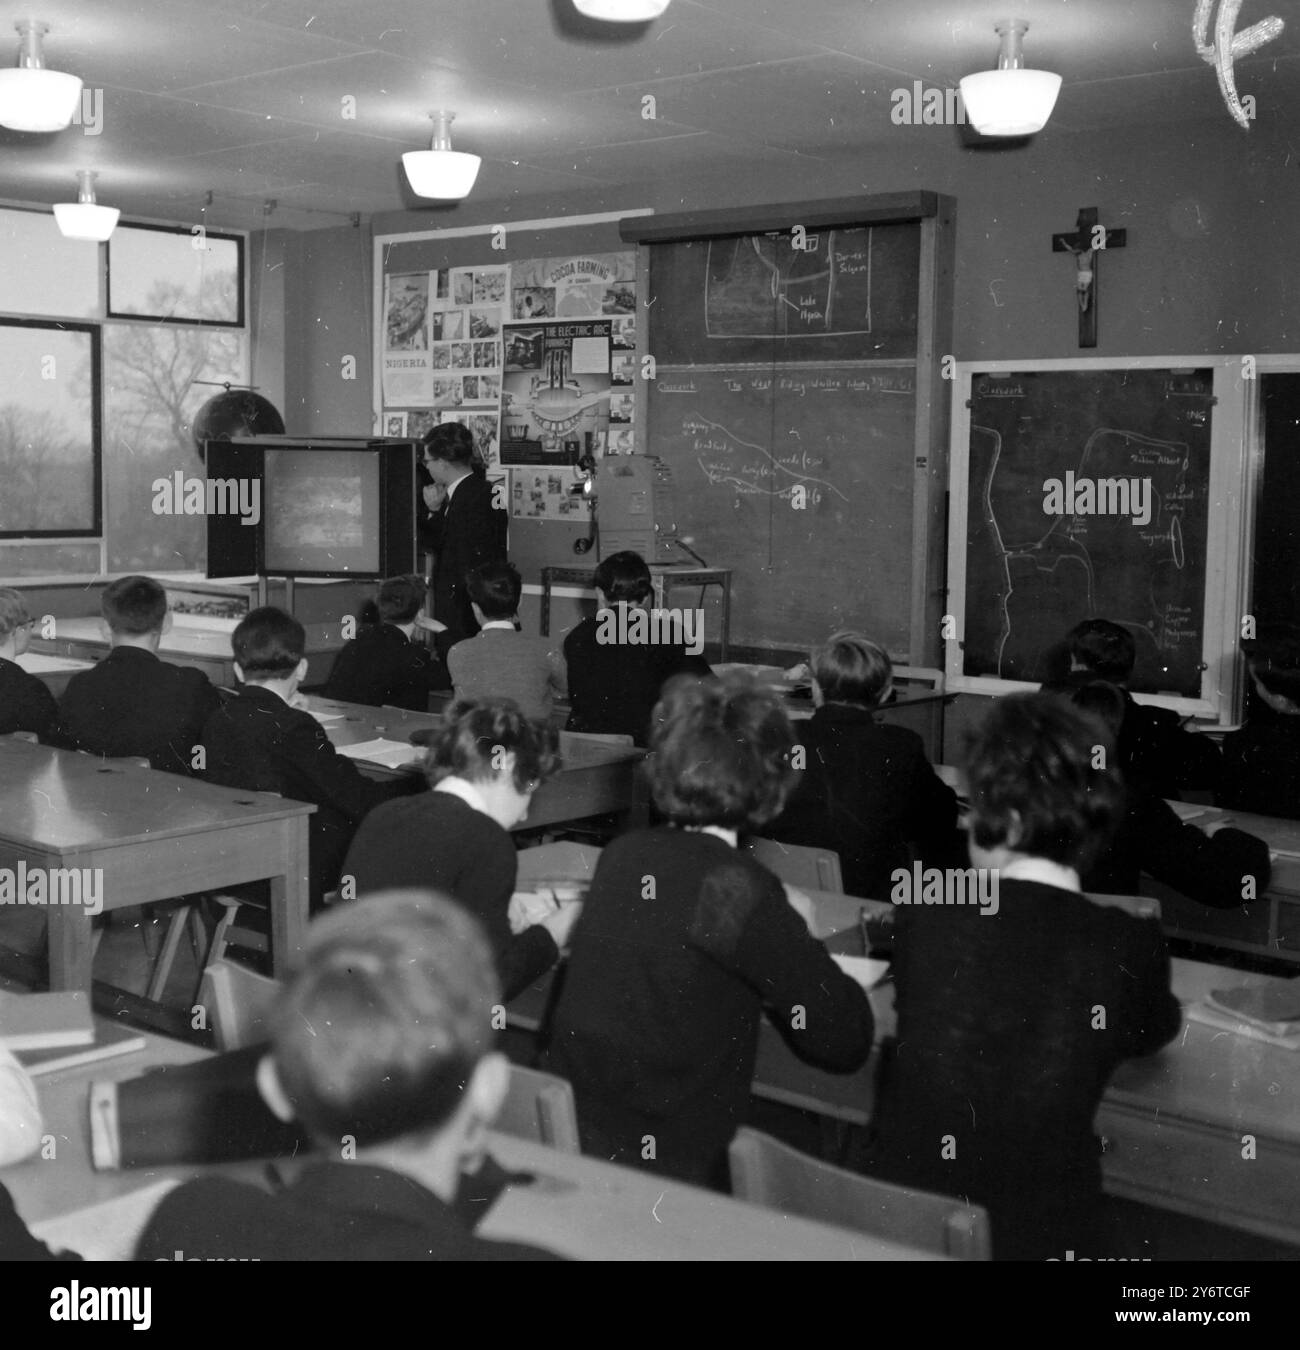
845 295
800 477
1032 574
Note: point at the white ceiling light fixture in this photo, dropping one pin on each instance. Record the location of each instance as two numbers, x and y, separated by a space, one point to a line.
441 172
85 218
1010 101
33 98
621 11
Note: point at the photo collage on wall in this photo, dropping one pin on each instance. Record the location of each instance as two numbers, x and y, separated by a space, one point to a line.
536 358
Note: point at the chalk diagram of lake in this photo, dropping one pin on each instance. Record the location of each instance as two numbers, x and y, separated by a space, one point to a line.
763 476
1056 570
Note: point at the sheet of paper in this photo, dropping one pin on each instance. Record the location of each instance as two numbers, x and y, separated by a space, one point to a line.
326 718
1186 811
389 754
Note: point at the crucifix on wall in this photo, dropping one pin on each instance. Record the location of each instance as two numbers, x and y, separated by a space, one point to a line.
1088 240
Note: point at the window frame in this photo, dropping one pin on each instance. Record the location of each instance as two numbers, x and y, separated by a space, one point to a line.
240 242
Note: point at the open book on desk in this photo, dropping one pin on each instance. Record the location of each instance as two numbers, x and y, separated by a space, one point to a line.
387 754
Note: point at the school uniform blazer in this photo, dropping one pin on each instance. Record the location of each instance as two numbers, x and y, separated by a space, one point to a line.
500 663
256 741
133 703
25 703
867 791
383 666
334 1211
1261 766
464 532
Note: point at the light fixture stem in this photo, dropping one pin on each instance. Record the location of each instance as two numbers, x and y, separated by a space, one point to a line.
1012 55
442 129
30 55
86 185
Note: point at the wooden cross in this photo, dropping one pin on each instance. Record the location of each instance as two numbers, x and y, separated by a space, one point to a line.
1088 239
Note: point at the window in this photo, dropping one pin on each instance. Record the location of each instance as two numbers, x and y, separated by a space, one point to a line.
175 275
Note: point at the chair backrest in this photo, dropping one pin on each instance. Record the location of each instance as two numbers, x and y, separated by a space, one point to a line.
1140 906
541 1107
120 761
769 1173
30 736
238 1002
603 737
815 869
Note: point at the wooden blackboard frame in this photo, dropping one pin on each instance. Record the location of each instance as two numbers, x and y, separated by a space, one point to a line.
936 215
1230 523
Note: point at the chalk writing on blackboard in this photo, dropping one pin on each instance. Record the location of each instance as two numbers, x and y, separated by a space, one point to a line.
763 286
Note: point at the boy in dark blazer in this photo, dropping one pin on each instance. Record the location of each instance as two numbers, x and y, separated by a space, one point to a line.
133 703
461 526
261 742
867 791
1261 760
25 703
384 664
382 1049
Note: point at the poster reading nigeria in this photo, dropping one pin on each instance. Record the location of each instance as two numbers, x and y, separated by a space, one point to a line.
408 364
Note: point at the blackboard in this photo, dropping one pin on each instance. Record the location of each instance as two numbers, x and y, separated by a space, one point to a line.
800 478
1031 575
839 295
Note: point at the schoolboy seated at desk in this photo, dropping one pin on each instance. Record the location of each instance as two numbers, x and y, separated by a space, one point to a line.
485 761
867 790
1211 869
614 683
382 1045
384 664
684 944
25 703
131 702
1261 761
499 661
1012 1015
261 742
1152 741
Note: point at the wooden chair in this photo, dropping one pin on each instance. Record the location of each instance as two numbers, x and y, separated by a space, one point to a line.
816 869
540 1107
769 1173
238 1002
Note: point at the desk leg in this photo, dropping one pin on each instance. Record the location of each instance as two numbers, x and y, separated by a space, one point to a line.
290 899
70 948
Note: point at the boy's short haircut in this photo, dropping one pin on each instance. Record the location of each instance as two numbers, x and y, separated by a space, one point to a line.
400 598
851 669
268 644
134 606
474 736
1104 649
378 1033
1032 760
495 587
13 611
624 577
720 752
1274 659
1102 700
452 441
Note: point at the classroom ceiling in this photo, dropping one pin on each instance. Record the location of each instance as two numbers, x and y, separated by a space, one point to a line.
245 98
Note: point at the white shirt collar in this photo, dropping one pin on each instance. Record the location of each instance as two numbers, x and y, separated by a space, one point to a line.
1041 869
727 836
451 487
498 623
465 790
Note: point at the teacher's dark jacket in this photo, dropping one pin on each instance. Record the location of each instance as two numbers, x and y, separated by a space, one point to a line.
464 532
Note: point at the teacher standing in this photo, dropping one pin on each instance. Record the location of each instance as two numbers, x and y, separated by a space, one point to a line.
459 526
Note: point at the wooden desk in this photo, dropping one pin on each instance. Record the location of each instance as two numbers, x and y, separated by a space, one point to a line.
594 778
201 645
152 836
664 577
579 1207
54 672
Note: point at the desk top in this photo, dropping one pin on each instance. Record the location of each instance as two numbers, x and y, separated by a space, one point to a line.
193 638
69 803
38 663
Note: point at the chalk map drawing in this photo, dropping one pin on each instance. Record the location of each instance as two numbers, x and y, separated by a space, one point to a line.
1065 563
761 286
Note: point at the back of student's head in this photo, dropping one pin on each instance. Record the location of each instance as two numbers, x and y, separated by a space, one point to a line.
452 442
134 606
1033 781
1274 660
13 611
495 587
379 1031
268 644
1102 700
400 598
1104 649
624 577
476 735
851 669
720 752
